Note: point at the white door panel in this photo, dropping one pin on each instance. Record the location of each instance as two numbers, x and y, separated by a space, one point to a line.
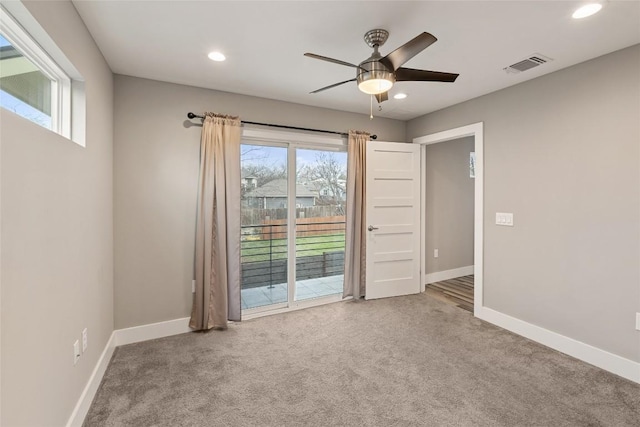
393 216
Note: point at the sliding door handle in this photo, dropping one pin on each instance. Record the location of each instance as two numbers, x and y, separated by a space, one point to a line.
371 228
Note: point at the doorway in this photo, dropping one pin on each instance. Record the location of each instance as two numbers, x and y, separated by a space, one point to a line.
449 221
476 132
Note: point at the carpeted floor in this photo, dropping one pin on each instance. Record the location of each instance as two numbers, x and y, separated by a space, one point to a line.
406 361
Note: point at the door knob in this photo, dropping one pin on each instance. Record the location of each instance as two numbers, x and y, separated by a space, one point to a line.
371 228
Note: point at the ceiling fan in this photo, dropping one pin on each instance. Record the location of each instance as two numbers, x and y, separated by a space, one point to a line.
377 74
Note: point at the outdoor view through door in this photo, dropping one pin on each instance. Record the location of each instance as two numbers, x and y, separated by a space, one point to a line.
293 208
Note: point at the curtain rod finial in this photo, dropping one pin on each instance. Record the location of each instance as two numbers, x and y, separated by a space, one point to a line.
191 115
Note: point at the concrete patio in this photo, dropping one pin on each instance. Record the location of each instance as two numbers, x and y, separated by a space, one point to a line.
305 289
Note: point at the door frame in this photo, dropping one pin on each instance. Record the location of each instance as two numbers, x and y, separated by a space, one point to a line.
291 140
475 130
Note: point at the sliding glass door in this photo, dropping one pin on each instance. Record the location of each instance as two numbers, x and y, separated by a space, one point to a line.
264 225
293 221
320 223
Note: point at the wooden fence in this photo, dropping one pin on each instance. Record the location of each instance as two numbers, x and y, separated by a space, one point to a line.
305 227
251 216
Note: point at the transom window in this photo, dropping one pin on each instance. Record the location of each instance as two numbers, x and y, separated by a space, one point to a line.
32 85
24 89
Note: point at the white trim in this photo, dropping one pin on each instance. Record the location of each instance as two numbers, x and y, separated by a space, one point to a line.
423 216
439 276
84 402
477 131
25 43
152 331
291 140
447 135
121 337
21 14
587 353
296 305
293 137
292 236
259 309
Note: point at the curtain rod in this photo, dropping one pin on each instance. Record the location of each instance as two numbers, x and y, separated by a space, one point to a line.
193 116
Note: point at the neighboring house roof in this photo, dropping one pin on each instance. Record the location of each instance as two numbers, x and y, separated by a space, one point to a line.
278 188
320 184
313 186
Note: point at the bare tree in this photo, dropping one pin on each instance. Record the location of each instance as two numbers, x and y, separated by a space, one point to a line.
327 175
256 164
251 153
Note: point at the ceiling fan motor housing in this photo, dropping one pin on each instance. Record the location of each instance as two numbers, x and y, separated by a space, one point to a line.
373 69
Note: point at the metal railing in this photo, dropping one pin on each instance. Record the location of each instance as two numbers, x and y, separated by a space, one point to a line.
319 252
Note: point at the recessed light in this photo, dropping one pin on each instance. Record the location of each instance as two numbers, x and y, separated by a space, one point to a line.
400 96
217 56
586 10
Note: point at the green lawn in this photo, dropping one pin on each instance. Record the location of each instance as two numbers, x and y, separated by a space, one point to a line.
258 250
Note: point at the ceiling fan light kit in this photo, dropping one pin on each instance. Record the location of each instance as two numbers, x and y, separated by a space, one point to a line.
375 82
377 74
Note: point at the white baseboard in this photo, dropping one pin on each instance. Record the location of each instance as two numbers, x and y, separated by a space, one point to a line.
84 402
121 337
439 276
152 331
602 359
608 361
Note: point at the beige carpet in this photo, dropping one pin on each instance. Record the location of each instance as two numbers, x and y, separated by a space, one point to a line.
407 361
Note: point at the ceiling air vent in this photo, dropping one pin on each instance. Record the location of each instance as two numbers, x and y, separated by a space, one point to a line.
526 64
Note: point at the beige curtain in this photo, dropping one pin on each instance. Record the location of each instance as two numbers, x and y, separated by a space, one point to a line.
354 257
217 296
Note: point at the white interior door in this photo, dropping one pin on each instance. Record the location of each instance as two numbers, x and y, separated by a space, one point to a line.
393 219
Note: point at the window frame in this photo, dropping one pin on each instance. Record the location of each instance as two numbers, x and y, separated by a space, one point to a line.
292 140
21 40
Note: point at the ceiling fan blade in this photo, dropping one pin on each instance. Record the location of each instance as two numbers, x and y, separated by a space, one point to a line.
398 57
333 85
335 61
381 97
412 75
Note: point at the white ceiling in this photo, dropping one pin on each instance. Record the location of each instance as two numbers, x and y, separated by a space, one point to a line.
264 42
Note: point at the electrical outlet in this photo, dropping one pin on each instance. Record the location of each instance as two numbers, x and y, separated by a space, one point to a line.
85 340
76 352
638 321
435 253
193 286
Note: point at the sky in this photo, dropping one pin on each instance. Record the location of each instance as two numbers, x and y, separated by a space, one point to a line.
12 103
260 154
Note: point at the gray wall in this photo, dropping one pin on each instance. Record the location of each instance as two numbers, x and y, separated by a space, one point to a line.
562 153
57 241
156 172
449 205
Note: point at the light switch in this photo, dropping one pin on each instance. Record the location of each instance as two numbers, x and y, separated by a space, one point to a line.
504 219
